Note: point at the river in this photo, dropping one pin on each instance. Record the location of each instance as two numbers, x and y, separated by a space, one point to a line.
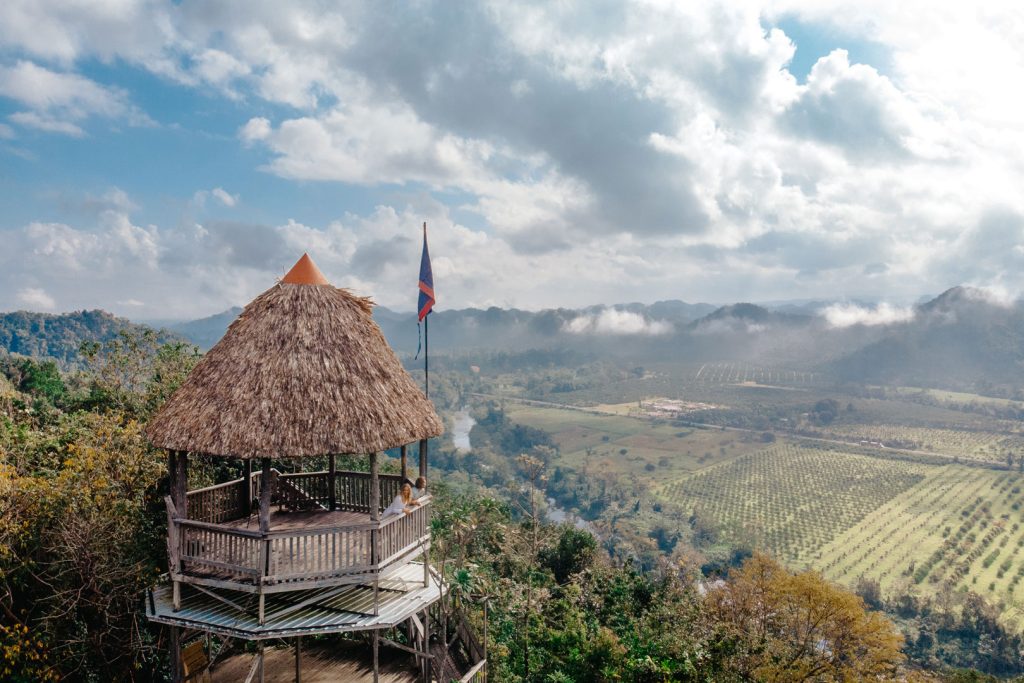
460 430
463 424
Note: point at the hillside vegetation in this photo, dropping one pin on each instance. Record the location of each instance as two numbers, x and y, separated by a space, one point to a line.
45 335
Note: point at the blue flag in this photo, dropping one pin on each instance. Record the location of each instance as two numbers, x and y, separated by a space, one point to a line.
426 281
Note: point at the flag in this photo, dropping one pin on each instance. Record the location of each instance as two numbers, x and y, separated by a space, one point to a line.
426 281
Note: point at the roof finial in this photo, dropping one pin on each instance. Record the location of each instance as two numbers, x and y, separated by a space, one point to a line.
305 272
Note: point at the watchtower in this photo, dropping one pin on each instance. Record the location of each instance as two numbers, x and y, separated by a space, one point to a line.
303 375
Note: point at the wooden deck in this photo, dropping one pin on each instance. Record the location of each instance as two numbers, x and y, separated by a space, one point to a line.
284 520
320 664
300 612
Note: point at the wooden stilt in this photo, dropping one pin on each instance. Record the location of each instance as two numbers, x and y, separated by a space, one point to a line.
426 645
262 663
177 670
376 662
298 659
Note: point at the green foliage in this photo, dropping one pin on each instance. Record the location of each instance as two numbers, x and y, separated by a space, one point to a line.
573 553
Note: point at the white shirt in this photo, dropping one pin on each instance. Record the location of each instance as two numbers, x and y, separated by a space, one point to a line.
397 507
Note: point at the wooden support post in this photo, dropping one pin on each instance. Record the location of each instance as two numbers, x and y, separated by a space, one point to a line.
332 486
262 663
262 609
177 670
247 486
374 488
423 457
176 595
376 662
426 567
298 659
405 462
266 486
428 669
181 484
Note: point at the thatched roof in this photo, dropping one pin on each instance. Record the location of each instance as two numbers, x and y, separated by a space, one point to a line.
304 370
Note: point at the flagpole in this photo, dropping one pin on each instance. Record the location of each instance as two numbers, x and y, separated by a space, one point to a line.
426 356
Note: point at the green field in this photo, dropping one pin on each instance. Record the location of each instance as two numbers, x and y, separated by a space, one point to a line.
597 440
792 500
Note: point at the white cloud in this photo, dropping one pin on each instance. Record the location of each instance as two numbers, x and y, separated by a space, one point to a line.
59 102
849 314
664 147
218 193
611 321
36 298
222 195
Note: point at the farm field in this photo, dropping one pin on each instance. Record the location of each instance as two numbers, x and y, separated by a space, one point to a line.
792 500
850 512
617 444
969 445
961 526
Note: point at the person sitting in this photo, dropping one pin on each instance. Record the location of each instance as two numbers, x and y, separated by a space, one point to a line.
403 502
420 489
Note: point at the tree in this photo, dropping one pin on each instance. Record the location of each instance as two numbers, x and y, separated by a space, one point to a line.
799 627
573 553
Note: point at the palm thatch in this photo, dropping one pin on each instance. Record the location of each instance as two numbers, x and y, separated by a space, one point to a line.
304 370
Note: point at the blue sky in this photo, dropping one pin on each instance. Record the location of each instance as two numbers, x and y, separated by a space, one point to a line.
171 159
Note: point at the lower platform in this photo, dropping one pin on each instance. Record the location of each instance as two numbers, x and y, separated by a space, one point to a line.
334 609
352 664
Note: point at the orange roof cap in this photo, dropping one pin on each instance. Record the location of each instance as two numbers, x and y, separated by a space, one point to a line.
305 272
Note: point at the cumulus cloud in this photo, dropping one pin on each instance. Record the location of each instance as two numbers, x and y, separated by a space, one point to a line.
58 102
612 321
36 299
665 148
849 314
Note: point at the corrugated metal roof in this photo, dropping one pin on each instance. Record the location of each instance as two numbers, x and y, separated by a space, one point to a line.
332 610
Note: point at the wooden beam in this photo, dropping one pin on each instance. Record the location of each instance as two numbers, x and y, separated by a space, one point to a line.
405 461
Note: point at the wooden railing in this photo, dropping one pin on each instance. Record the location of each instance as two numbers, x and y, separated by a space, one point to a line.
399 533
213 549
207 549
302 490
220 503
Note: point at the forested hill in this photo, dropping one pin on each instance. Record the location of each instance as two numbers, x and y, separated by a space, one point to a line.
60 336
